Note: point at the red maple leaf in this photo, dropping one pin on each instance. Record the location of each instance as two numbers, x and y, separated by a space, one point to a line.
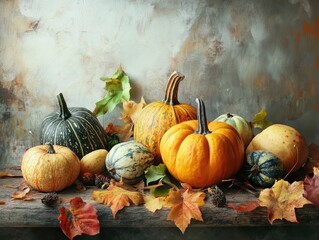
81 217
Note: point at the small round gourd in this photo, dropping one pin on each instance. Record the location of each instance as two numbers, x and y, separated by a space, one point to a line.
128 160
262 168
157 117
242 126
50 168
200 153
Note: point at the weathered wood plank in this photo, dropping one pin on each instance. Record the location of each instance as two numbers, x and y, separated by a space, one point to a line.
17 213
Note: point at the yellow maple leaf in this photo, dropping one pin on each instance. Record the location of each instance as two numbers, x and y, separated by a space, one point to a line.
184 204
282 199
153 203
117 198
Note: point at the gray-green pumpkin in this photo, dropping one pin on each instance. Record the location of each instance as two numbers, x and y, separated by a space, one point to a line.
128 160
75 127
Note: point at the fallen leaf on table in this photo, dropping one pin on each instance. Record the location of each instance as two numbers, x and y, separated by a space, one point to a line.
153 203
81 217
184 204
282 199
311 187
117 198
7 174
244 207
2 202
22 194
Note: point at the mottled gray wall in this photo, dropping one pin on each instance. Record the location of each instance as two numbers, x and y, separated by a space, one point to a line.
238 56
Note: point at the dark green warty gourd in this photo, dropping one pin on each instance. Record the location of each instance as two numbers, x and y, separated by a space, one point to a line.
75 127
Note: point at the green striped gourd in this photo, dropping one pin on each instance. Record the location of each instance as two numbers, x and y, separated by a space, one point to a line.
128 160
75 127
262 168
240 124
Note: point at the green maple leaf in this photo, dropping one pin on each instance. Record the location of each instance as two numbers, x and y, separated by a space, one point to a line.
260 120
158 174
117 88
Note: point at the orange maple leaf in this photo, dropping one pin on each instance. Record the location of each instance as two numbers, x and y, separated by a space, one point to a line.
282 199
80 218
184 204
117 198
129 115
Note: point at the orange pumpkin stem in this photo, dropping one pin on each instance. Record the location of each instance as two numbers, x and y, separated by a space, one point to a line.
64 111
201 116
172 88
50 149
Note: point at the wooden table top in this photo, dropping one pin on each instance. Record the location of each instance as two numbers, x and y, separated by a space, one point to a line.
19 213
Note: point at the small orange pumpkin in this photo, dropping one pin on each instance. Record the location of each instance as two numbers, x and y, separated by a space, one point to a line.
200 153
157 117
50 168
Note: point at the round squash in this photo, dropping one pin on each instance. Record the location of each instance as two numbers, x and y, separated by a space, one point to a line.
283 141
76 128
202 154
94 162
242 126
157 117
128 160
50 168
262 168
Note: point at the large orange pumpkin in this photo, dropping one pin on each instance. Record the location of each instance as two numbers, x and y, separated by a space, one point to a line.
157 117
50 168
201 153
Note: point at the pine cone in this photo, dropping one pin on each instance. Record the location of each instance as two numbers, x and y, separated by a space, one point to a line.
217 196
50 199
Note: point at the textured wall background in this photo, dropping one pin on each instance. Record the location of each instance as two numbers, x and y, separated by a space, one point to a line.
238 56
